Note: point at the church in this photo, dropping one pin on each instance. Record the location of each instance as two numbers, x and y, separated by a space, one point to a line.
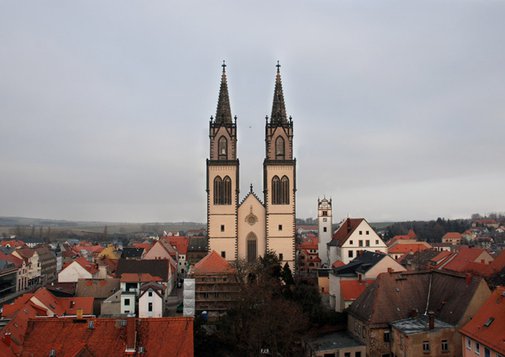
247 228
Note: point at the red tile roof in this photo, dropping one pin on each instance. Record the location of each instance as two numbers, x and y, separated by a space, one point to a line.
451 235
407 248
168 336
410 235
145 246
11 258
12 243
346 229
337 264
352 289
212 263
461 259
179 242
90 267
138 278
487 326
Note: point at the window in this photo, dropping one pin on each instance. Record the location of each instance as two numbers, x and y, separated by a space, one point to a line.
222 148
357 354
325 219
150 294
477 348
426 346
487 352
347 354
127 302
280 190
468 343
223 254
325 213
367 243
350 242
360 233
377 242
150 307
281 257
387 336
325 229
367 232
445 346
350 254
251 247
279 148
280 227
360 243
222 227
222 191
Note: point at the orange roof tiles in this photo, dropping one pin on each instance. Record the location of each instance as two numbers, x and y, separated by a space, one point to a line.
461 259
212 263
487 326
138 278
451 235
407 248
352 289
168 336
337 264
90 267
181 243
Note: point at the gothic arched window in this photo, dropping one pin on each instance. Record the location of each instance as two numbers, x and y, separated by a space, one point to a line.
222 191
285 190
252 247
280 150
280 190
222 148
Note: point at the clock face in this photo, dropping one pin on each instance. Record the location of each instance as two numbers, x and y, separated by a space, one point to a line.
324 205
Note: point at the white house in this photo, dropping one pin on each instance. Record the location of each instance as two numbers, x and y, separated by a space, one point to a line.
151 300
353 236
78 269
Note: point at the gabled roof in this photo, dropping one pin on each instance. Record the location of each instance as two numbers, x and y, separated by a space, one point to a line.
108 337
360 264
487 326
394 295
138 278
451 235
155 267
97 288
212 263
462 258
181 243
132 252
352 289
90 267
11 258
408 248
345 230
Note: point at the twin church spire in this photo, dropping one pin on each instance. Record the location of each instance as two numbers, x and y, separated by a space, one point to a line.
223 111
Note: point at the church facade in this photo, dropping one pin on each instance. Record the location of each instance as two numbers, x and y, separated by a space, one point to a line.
248 228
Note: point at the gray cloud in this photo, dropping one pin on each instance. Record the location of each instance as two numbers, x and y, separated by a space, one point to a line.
398 107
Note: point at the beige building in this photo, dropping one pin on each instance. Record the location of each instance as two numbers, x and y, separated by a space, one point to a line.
248 229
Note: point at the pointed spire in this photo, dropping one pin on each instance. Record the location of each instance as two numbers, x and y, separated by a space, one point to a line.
278 107
223 112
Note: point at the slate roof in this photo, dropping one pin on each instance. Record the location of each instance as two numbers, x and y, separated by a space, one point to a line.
68 337
197 244
394 295
155 267
488 325
360 264
132 253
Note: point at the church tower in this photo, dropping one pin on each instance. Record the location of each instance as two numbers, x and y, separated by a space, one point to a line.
279 180
222 177
325 221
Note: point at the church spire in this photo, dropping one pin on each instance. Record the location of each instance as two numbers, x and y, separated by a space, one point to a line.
278 107
223 112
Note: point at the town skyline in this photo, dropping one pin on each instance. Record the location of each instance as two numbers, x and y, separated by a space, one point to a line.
397 109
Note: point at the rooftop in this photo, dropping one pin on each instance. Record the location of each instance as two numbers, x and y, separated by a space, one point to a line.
419 324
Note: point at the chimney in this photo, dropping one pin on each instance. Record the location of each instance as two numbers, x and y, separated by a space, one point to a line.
7 339
348 225
431 320
468 278
413 313
131 335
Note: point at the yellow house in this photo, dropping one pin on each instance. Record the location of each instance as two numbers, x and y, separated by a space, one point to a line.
109 252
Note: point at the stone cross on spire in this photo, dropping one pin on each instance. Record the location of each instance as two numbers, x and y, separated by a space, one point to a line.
279 115
223 112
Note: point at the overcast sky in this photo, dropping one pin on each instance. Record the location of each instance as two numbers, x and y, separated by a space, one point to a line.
398 106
